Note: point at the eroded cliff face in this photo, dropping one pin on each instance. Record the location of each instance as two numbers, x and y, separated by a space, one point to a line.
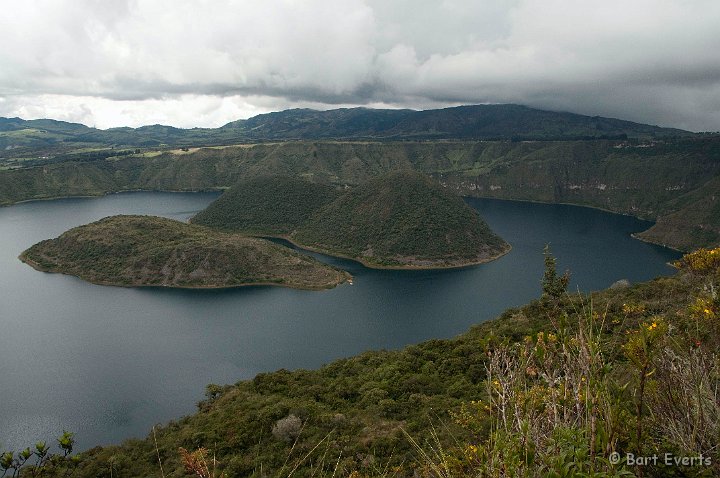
694 223
678 189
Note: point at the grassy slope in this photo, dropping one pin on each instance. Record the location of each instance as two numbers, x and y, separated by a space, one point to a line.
401 219
356 408
267 205
649 182
152 251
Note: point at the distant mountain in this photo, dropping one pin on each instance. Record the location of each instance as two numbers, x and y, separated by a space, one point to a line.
483 122
462 122
341 123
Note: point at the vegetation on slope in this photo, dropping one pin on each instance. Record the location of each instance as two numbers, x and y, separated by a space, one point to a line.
553 388
695 219
266 205
643 179
153 251
403 219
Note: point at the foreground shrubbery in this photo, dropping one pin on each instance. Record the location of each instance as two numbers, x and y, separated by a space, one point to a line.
601 388
561 387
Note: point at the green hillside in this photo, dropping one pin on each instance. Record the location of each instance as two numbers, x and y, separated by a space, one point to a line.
547 389
137 251
267 205
402 219
695 219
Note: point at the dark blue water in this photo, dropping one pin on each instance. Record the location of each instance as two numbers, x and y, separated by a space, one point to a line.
109 362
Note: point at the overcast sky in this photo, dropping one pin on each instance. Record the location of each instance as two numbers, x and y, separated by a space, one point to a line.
207 62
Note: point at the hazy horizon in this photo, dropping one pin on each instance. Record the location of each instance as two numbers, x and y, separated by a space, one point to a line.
315 109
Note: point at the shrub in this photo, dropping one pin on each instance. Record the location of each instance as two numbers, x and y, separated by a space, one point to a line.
287 429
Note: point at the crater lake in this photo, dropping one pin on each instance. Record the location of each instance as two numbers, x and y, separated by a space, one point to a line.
107 363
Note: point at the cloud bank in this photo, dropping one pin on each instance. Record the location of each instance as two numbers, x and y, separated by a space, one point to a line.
203 63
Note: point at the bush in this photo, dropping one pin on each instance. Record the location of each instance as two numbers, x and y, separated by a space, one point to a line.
287 429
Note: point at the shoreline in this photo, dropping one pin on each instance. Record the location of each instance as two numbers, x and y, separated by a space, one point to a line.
122 191
634 235
535 201
371 265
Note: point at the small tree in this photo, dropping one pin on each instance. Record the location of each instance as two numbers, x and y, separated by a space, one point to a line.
44 463
553 285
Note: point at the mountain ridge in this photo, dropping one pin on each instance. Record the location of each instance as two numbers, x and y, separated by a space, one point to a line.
479 122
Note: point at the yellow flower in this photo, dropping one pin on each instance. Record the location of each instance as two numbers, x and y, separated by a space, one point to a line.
702 261
705 307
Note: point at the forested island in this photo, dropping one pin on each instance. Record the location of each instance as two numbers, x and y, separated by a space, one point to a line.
399 220
402 220
135 251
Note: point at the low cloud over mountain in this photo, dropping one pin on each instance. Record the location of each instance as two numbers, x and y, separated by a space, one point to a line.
204 63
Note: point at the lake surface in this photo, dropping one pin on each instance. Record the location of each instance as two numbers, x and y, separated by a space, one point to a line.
107 362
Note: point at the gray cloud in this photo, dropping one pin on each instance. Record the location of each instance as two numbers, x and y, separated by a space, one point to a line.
197 62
